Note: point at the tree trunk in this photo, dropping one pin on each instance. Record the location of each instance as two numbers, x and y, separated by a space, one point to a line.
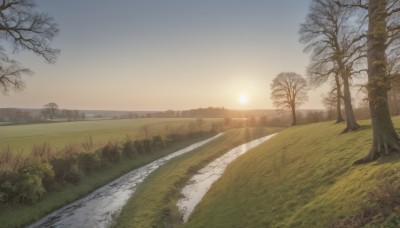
385 138
339 117
351 122
294 115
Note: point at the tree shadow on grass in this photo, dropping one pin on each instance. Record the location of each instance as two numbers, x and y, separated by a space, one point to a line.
392 158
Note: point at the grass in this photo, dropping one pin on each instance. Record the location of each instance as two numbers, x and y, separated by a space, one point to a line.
24 137
303 177
17 215
153 203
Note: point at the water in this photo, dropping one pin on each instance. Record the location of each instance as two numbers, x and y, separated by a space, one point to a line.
99 208
200 183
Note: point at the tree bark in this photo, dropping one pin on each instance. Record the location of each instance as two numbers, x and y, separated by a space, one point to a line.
339 117
385 138
351 122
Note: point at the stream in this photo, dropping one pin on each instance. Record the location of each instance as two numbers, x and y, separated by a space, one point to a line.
100 207
200 183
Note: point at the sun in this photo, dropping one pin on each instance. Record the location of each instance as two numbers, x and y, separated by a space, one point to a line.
243 99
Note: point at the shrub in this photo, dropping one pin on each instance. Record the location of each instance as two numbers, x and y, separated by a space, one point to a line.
44 170
111 153
139 146
3 197
147 145
88 162
8 189
65 169
128 148
174 137
28 184
29 188
158 141
383 207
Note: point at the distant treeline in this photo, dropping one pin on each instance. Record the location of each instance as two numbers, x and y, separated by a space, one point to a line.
21 116
211 112
272 118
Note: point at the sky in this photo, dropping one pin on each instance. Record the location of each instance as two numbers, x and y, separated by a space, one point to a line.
159 55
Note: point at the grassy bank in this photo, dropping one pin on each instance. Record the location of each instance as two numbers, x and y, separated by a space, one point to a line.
17 215
153 204
303 177
24 137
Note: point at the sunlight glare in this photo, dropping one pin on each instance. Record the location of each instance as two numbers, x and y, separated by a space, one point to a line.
243 99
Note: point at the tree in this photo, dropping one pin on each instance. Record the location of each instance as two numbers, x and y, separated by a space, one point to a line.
331 101
385 138
383 36
336 47
289 90
50 110
25 29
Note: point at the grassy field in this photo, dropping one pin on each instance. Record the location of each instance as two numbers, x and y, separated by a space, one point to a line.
17 215
303 177
24 137
153 204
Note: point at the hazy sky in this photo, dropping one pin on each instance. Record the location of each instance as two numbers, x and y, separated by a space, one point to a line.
158 55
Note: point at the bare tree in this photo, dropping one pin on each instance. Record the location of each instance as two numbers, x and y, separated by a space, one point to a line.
333 101
50 110
318 75
337 49
288 91
25 29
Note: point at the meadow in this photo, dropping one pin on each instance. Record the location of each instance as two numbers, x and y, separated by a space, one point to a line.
303 177
57 135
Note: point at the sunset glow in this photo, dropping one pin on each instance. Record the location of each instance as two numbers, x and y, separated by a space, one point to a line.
243 99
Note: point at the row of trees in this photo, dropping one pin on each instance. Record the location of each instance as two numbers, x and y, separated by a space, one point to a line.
348 38
51 111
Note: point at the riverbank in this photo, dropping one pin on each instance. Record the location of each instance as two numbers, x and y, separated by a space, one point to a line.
154 202
304 177
17 215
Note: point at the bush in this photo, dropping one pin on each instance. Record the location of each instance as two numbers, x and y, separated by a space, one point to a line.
44 170
111 153
147 145
174 137
139 146
88 162
28 184
29 188
158 141
383 207
8 189
65 169
128 148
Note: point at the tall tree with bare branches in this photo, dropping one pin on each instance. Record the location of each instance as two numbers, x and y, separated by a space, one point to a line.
383 34
23 28
336 49
288 91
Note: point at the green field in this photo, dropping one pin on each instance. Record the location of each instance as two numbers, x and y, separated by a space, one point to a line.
303 177
24 137
153 203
